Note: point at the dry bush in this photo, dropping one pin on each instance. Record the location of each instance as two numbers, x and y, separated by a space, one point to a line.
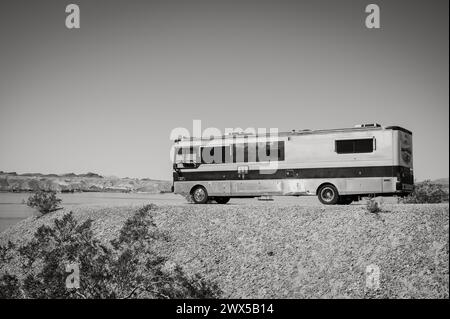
373 206
44 202
127 267
427 192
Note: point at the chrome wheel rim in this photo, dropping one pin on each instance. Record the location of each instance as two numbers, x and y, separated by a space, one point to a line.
327 194
199 195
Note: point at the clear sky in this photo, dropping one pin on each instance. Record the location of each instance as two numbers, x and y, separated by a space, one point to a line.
105 97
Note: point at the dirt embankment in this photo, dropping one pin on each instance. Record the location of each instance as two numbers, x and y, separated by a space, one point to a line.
291 251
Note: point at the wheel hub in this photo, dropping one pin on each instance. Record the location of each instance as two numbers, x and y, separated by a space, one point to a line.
199 195
327 194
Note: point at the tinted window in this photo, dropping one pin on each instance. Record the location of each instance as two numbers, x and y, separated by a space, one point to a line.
354 146
344 146
239 152
185 150
280 155
258 152
364 146
250 152
215 154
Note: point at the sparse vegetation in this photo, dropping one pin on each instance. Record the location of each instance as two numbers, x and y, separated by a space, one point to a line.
127 267
44 202
427 192
373 206
260 250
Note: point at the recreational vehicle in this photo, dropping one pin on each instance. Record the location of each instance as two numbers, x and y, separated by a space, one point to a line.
337 165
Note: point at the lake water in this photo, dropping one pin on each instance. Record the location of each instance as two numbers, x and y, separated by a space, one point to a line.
13 209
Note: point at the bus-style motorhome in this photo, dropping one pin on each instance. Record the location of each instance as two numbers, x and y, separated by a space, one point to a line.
338 165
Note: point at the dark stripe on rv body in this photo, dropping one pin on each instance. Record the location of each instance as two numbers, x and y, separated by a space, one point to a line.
299 173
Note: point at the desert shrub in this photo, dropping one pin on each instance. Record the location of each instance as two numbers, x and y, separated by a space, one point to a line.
427 192
127 267
373 206
44 202
6 252
9 287
9 284
139 227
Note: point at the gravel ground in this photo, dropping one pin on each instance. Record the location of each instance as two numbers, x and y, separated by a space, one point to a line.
276 250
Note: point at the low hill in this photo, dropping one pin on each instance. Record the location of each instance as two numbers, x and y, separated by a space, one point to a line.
289 250
442 181
89 182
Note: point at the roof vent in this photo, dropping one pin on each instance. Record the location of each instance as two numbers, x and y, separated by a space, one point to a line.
368 125
301 130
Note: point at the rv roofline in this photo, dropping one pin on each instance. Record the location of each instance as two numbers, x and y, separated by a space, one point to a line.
398 128
296 133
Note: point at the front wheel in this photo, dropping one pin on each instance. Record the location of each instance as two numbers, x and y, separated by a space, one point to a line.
199 195
328 195
222 200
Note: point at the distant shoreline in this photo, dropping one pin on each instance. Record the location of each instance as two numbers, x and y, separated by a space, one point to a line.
81 192
72 183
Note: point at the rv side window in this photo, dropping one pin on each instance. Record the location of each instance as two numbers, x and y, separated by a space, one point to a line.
185 150
364 145
258 152
215 154
281 151
238 152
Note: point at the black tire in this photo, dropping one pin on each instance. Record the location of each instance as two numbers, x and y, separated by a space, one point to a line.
328 194
222 200
199 195
345 200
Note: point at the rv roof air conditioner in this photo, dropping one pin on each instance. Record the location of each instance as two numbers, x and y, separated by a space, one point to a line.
368 125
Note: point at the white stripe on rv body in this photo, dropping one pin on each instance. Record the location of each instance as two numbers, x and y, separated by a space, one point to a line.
345 186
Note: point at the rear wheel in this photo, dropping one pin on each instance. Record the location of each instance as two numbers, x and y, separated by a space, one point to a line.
199 195
222 200
328 195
